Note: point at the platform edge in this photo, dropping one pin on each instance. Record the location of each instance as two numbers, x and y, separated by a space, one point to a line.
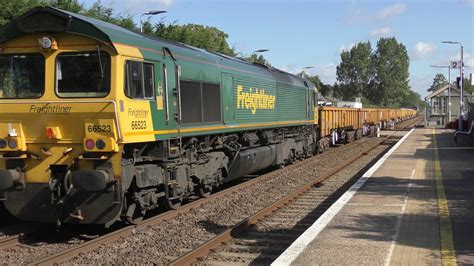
300 244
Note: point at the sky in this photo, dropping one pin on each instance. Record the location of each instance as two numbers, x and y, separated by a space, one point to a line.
305 33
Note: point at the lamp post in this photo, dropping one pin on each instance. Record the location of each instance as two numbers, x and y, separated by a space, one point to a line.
461 71
303 68
260 51
449 88
149 13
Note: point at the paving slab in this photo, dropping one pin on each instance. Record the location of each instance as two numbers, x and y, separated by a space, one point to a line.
394 218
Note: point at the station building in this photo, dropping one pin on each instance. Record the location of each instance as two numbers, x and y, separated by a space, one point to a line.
437 114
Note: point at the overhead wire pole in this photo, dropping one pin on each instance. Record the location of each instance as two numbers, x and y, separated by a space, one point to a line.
461 81
449 88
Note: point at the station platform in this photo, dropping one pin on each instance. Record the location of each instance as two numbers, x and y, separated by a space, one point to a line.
414 206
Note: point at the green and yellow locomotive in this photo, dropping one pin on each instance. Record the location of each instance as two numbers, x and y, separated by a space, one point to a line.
99 124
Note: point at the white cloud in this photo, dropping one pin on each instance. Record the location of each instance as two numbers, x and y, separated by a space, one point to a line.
134 6
355 14
422 49
384 31
469 2
327 73
421 84
467 57
390 11
468 61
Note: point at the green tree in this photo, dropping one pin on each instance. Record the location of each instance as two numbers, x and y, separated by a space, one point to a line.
12 9
467 87
106 14
9 10
259 59
390 84
438 80
413 99
316 81
323 89
69 5
354 73
209 38
327 90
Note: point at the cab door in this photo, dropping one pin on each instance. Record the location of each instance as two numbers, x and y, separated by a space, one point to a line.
164 105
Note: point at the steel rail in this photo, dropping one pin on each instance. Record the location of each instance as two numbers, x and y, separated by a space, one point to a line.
16 233
409 123
93 244
10 241
205 249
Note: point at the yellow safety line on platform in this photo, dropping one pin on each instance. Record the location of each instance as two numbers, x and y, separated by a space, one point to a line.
448 256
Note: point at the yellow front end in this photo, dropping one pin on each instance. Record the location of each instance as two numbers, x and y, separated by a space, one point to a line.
51 128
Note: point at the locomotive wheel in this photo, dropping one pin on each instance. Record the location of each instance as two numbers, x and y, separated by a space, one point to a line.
134 214
172 201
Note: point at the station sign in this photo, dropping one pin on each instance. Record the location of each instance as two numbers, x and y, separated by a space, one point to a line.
455 64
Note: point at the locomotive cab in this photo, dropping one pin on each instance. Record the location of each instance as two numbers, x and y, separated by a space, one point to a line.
60 139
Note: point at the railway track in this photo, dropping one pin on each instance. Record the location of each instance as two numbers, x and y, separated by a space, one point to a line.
412 122
11 235
80 250
10 241
262 237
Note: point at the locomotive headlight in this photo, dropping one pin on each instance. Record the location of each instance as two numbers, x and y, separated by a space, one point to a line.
100 144
46 42
90 144
12 143
3 144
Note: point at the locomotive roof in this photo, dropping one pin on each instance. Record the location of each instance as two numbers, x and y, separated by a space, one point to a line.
49 19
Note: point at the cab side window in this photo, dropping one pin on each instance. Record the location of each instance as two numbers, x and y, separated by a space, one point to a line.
139 80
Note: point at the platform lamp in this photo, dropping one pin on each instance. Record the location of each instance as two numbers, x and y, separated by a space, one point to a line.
461 71
303 68
149 13
260 51
449 88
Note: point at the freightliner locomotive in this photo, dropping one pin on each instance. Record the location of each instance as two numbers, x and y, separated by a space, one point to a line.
100 124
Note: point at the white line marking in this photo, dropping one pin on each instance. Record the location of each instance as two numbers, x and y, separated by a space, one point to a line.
293 251
399 222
